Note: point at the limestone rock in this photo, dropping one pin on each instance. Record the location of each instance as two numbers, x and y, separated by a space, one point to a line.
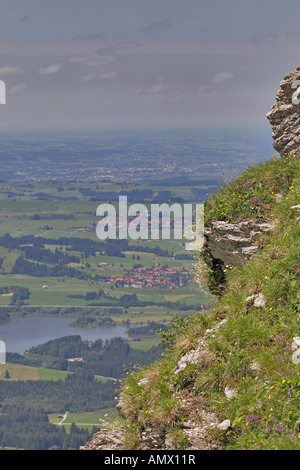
284 115
191 357
224 425
199 355
258 300
230 392
106 439
234 243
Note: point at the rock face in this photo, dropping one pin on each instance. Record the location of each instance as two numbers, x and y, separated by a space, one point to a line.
284 116
233 244
106 439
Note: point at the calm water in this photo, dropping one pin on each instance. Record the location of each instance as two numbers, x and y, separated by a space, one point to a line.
23 333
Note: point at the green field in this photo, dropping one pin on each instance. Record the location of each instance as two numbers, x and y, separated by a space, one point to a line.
85 420
25 215
21 372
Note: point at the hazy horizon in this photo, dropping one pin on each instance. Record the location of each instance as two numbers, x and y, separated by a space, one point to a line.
137 64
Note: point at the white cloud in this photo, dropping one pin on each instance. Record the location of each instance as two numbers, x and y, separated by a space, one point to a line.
93 60
222 77
155 89
17 89
51 69
87 78
108 75
9 70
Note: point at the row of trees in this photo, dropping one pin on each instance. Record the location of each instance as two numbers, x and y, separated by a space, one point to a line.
31 430
82 245
23 266
107 358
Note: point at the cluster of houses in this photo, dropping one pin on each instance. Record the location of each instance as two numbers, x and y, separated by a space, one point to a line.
151 277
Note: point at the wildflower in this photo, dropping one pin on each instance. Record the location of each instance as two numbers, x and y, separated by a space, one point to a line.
196 332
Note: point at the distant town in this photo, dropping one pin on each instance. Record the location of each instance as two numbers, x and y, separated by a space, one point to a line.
161 277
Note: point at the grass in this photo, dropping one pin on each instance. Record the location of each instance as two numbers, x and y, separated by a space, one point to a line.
86 420
21 372
252 353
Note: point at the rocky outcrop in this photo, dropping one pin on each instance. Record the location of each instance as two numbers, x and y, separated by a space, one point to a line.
233 243
284 116
106 439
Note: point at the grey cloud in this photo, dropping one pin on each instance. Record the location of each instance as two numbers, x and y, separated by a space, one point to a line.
222 77
118 49
54 68
24 19
93 60
9 70
167 23
155 89
91 37
108 75
261 38
17 89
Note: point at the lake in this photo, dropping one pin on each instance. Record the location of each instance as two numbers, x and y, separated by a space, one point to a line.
21 334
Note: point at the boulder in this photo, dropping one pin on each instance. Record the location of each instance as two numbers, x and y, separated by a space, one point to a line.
234 243
284 116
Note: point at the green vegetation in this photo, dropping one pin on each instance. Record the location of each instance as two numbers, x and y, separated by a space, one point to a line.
251 353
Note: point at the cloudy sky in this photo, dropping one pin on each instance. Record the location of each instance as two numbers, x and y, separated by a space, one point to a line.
89 64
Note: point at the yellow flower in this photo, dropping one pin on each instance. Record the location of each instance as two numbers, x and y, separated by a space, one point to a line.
283 381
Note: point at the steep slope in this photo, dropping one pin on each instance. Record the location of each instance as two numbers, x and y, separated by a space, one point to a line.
230 376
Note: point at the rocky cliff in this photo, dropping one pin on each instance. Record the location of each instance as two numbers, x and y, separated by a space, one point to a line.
284 115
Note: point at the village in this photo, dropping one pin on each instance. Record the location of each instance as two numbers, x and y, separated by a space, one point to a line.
161 277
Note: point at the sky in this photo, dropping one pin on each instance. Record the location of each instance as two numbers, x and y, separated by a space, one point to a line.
97 64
